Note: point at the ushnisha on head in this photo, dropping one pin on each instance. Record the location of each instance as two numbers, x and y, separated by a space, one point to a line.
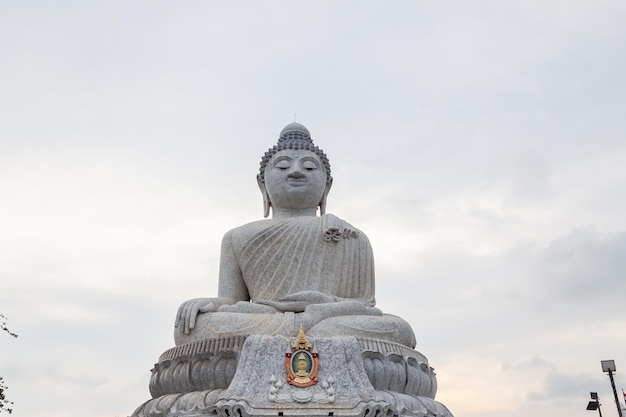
295 174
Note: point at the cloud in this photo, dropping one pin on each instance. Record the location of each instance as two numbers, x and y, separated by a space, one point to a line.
558 387
536 362
586 267
480 147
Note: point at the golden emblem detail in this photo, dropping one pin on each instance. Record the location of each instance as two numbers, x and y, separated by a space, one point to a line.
301 362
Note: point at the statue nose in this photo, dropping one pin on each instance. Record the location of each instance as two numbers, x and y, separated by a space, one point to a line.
296 173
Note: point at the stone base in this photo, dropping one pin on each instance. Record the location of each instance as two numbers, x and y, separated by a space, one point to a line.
246 377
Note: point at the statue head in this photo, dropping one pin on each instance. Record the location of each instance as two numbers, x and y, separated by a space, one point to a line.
294 173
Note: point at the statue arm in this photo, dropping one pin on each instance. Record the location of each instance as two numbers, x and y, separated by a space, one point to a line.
231 290
231 283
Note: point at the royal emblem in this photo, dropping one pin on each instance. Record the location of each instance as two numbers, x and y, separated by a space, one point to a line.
301 362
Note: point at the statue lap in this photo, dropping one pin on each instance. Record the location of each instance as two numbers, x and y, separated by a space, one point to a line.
225 324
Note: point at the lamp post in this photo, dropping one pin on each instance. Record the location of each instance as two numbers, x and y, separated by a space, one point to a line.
609 366
595 404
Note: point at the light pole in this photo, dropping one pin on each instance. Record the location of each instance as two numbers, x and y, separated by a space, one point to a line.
595 404
609 366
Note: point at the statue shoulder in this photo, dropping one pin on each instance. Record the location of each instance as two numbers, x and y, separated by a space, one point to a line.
239 235
337 226
332 227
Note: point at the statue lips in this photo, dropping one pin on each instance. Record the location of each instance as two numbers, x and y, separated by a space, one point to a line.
298 182
296 179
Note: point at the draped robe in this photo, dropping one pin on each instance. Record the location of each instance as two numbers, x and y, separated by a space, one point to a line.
269 259
324 254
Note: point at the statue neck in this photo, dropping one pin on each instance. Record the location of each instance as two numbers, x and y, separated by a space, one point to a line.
282 213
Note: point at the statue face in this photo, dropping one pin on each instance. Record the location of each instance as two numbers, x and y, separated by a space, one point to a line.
295 179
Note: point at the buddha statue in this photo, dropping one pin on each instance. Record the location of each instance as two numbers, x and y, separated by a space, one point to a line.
296 269
301 272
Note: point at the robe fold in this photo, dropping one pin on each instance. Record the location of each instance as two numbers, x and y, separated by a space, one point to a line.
324 254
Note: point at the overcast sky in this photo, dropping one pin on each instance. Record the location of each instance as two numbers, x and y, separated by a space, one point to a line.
480 145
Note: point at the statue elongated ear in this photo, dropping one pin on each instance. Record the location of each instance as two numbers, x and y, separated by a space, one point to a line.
322 205
266 198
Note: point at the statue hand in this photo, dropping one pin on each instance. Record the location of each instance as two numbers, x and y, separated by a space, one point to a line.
189 310
344 308
310 297
295 306
315 313
298 301
247 307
